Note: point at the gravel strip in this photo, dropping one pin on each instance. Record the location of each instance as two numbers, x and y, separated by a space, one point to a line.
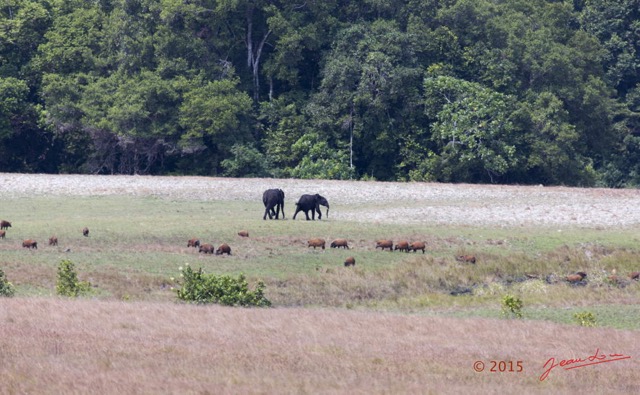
369 202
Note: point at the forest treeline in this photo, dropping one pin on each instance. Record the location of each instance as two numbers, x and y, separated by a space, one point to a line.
502 91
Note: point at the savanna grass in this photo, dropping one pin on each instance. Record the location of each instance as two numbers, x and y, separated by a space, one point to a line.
137 243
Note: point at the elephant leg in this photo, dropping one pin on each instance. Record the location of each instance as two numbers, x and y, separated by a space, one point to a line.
306 214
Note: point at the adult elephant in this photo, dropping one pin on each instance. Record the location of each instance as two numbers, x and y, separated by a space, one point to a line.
313 203
273 200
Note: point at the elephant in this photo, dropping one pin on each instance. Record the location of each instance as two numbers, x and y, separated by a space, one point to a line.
313 203
273 198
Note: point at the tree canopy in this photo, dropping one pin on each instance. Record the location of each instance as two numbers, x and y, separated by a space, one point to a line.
509 91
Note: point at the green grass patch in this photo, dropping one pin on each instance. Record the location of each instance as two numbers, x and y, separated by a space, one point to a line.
136 244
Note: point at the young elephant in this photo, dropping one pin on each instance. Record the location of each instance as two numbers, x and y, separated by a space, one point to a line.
337 243
206 248
223 249
53 241
316 243
311 203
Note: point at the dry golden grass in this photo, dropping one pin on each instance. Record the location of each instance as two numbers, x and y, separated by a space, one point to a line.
59 346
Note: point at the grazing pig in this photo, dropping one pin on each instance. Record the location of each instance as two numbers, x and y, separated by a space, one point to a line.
634 275
223 249
576 278
466 258
5 224
206 248
85 232
350 261
402 245
384 244
243 233
29 243
417 245
316 243
53 241
337 243
193 243
3 233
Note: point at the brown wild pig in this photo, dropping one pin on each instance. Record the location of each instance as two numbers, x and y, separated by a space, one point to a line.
193 243
30 244
223 249
576 278
53 241
634 275
417 245
350 261
316 243
85 232
384 244
402 245
466 258
337 243
5 224
3 233
206 248
243 233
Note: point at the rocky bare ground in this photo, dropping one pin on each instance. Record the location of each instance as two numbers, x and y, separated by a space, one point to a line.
375 202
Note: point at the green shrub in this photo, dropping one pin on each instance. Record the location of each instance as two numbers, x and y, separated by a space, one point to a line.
6 288
585 318
512 306
68 283
199 287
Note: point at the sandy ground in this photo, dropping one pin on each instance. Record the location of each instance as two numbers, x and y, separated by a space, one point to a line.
375 202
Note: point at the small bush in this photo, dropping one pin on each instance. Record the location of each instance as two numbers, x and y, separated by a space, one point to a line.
68 284
199 287
512 306
585 318
6 288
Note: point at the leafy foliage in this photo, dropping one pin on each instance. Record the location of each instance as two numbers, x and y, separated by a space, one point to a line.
198 287
585 318
68 283
6 288
512 306
512 91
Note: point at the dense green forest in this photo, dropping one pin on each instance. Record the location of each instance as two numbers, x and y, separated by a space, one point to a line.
502 91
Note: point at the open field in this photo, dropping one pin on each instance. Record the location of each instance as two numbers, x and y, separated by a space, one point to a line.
396 323
51 346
